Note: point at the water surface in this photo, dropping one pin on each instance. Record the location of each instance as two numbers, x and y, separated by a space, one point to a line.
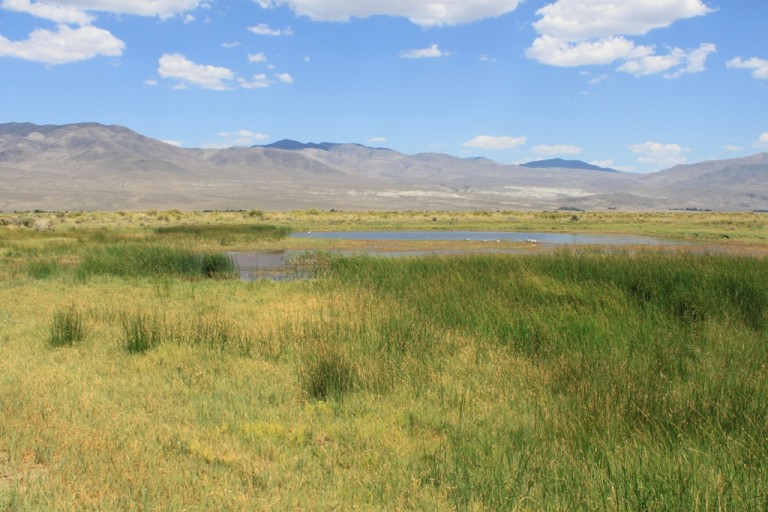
489 236
279 265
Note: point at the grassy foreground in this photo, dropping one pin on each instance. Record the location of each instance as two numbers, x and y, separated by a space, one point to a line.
545 382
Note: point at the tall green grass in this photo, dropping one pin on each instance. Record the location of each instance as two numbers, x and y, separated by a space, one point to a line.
135 260
223 233
67 327
654 380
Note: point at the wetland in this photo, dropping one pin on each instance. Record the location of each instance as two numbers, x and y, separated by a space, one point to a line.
139 371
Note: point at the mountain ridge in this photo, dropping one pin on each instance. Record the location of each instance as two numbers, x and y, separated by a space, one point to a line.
95 166
566 164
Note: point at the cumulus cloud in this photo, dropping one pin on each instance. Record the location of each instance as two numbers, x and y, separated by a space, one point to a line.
178 67
263 29
424 53
377 140
558 149
259 81
284 78
594 32
493 142
257 57
578 20
557 52
426 13
731 147
242 138
659 154
76 10
63 46
759 67
762 140
75 38
53 12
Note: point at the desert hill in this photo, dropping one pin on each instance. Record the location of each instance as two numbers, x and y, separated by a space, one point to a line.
94 166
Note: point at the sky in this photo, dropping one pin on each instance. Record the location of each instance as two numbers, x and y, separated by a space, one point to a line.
636 85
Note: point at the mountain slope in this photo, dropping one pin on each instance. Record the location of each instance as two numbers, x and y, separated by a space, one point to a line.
93 166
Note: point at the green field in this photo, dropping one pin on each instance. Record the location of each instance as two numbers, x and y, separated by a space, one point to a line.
136 372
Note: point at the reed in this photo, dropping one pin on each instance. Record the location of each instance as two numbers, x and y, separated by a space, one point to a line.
67 327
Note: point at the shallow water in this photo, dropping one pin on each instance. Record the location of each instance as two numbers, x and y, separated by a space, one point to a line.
278 265
489 236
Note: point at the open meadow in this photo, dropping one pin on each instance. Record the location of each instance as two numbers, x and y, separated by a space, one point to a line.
138 373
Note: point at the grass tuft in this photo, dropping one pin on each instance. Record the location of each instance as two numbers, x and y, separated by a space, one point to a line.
67 327
142 332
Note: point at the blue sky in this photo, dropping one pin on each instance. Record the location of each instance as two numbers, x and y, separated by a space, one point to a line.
638 85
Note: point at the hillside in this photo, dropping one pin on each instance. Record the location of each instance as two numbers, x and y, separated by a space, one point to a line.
94 166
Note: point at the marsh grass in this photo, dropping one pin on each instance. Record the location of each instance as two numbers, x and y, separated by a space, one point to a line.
142 331
224 234
657 348
136 260
67 327
568 381
43 268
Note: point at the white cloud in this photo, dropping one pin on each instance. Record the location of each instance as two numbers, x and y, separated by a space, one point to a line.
578 20
593 32
257 57
189 19
421 12
659 154
645 62
242 138
176 143
598 79
492 142
731 147
759 67
610 164
259 81
233 44
558 149
64 46
263 29
557 52
377 140
762 140
54 9
53 12
177 66
284 78
424 53
151 82
695 61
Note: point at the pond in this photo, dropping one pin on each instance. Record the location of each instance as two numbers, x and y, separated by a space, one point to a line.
490 236
280 265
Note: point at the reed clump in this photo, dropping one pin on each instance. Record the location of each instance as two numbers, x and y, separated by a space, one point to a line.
137 260
67 327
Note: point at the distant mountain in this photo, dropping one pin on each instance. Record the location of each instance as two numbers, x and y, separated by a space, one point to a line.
89 166
293 145
559 163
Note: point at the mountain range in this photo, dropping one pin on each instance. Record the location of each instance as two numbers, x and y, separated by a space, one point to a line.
90 166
